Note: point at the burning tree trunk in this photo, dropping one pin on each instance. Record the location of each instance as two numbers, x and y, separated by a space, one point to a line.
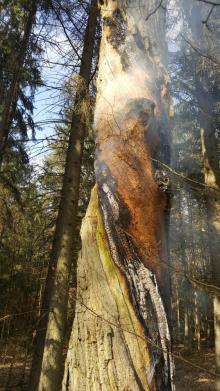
120 338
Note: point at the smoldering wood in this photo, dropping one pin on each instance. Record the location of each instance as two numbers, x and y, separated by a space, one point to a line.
130 119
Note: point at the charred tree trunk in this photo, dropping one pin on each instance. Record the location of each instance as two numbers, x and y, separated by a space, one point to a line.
47 359
11 97
120 338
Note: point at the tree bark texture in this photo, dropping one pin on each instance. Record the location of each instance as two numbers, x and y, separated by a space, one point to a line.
130 119
108 345
47 360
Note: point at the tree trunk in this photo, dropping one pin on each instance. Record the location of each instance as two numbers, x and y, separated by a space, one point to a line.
11 99
208 106
210 155
123 276
108 347
47 358
205 82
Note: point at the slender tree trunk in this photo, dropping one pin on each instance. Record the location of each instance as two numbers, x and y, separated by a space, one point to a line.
186 288
197 322
120 338
47 359
210 154
207 104
11 99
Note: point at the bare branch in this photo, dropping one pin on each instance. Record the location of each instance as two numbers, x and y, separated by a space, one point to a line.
209 2
154 11
184 177
197 50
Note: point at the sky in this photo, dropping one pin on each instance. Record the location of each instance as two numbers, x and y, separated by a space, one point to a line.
49 99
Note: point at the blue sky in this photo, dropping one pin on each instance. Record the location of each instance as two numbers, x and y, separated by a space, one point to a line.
49 100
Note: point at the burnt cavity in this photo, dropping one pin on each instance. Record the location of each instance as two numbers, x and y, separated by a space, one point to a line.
117 26
140 119
116 32
142 109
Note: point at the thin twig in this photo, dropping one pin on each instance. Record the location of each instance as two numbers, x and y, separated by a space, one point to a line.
197 50
184 177
154 11
209 2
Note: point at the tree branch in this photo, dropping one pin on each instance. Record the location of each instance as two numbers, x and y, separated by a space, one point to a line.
154 11
209 2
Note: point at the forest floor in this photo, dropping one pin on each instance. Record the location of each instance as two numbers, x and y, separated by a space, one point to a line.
189 378
15 367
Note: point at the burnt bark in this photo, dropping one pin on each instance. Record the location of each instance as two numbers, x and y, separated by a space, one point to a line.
108 346
132 104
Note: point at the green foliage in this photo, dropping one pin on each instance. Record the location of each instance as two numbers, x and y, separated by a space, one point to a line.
25 234
13 19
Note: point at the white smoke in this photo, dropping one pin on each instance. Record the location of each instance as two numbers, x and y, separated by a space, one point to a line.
144 45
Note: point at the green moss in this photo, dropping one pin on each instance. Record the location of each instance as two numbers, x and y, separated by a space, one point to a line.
126 313
103 245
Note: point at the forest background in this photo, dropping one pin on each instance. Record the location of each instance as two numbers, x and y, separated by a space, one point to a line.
41 51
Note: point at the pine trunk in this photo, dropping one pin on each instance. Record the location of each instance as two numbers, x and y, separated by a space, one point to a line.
211 177
120 338
46 371
207 105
